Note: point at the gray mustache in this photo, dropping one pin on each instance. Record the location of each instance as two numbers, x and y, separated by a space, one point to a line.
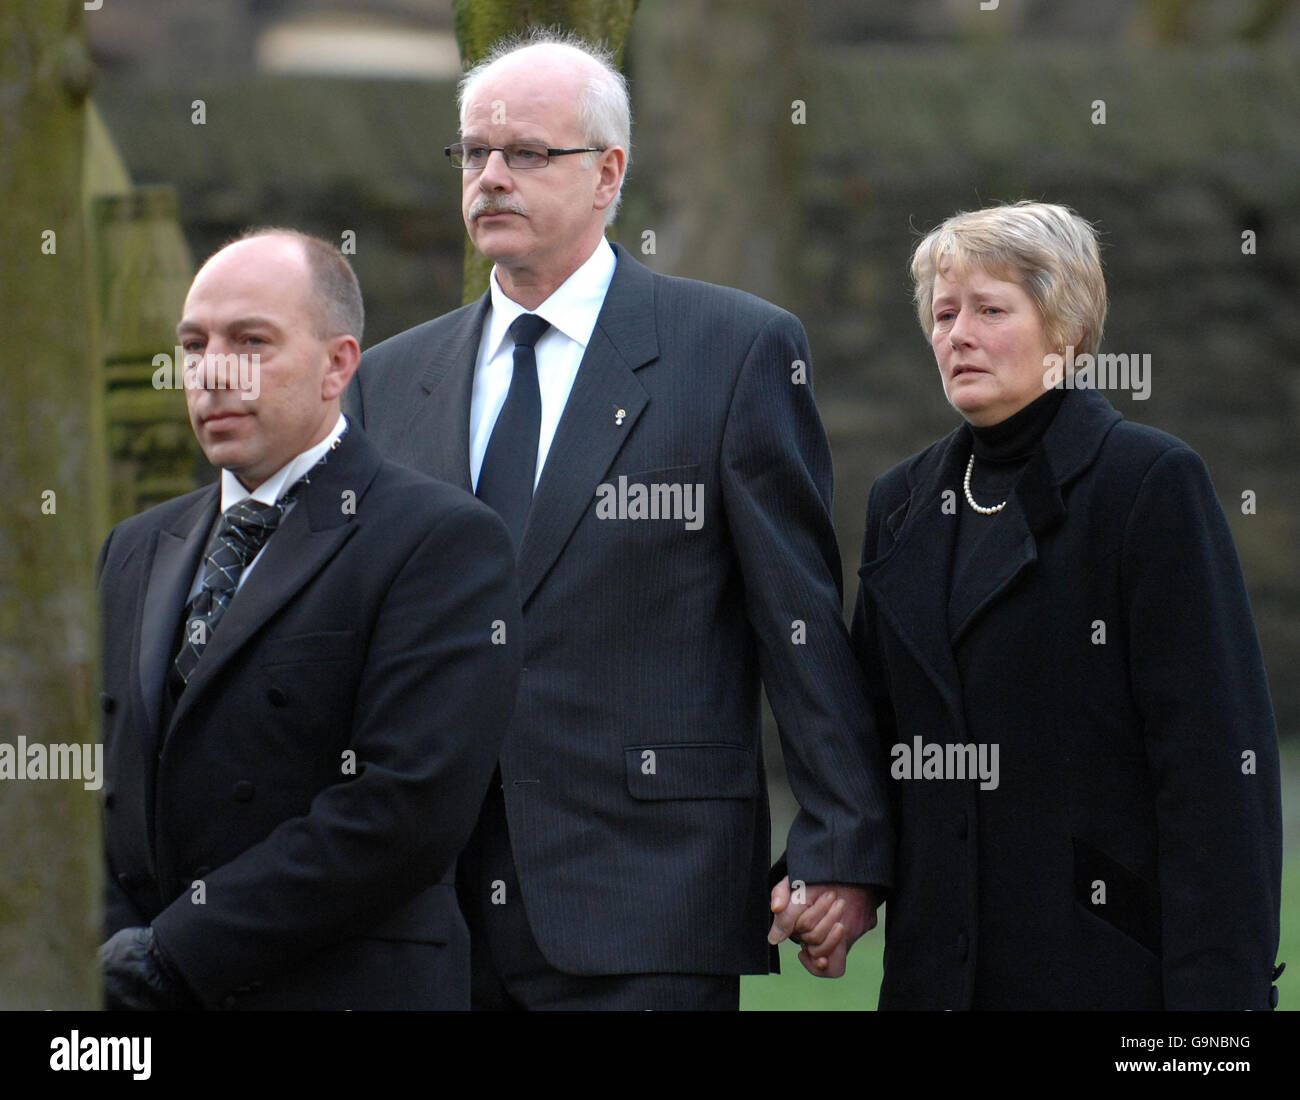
495 206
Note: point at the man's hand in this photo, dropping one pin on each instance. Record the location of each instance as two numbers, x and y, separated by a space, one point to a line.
830 920
138 977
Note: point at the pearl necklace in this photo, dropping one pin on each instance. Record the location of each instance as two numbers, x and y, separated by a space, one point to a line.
970 499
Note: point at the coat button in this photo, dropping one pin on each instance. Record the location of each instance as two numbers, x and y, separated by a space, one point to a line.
125 881
963 946
243 791
107 703
229 1001
201 872
276 697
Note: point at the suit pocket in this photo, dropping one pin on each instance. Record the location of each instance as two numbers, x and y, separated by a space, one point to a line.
690 771
314 648
1124 900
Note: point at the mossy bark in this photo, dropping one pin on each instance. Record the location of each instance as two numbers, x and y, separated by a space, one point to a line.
52 469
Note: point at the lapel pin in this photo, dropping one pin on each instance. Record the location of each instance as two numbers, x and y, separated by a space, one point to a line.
619 416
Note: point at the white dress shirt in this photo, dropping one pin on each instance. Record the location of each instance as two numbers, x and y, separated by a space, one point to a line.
233 491
572 311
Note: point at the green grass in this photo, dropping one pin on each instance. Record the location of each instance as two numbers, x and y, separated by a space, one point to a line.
795 989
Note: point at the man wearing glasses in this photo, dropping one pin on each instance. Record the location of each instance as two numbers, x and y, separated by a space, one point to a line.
653 446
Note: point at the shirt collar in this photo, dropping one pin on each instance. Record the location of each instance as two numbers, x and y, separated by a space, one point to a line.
572 308
233 491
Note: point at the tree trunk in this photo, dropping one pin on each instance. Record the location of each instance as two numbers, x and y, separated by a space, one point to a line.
51 465
726 149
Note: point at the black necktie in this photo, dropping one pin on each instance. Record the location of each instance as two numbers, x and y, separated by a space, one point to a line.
505 480
243 531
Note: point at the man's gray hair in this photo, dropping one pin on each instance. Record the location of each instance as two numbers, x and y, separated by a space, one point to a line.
604 105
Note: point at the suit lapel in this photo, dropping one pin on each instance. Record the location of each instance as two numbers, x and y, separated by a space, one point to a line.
438 433
177 553
588 436
309 537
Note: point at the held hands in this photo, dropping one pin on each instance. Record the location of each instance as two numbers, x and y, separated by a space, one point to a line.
826 921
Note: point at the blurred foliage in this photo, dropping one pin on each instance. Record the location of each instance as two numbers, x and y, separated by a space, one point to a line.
1266 20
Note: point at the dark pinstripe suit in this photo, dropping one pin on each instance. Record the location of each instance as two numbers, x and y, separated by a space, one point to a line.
633 773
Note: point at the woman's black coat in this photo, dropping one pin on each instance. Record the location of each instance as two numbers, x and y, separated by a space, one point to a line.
1130 855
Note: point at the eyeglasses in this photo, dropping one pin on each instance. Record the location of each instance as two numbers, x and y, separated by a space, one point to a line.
472 158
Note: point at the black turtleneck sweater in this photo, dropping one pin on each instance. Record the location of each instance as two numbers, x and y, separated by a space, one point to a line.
1002 451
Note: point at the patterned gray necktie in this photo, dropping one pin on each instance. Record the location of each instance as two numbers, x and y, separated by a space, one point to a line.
243 531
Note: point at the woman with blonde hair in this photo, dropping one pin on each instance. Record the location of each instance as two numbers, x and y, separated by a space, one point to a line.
1054 627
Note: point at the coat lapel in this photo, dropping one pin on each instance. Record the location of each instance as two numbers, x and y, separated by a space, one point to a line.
998 559
909 583
1070 445
588 437
930 610
309 537
177 553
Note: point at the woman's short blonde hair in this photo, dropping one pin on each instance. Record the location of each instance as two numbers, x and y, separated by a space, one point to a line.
1047 249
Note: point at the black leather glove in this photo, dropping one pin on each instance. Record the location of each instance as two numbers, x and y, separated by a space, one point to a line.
138 977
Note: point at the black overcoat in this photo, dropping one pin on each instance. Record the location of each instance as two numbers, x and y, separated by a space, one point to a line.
1129 856
290 829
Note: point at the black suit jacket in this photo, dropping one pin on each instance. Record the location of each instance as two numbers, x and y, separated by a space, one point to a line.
327 760
633 769
1130 856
